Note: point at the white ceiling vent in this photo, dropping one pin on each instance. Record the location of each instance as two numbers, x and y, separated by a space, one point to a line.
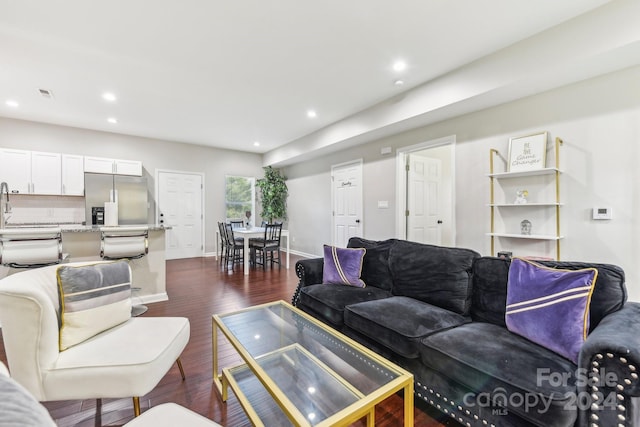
46 93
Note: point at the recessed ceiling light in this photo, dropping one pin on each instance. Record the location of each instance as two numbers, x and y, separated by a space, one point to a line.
399 66
12 103
398 82
108 96
256 144
112 120
312 114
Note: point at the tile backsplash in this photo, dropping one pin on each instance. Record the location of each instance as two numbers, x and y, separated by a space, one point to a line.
33 209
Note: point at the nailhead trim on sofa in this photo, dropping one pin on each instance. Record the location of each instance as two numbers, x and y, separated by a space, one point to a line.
631 379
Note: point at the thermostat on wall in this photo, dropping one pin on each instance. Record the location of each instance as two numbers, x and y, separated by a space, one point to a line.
601 213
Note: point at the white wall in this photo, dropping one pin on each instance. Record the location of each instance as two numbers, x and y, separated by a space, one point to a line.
599 121
154 154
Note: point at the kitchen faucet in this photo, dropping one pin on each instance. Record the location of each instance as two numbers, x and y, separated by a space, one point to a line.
4 189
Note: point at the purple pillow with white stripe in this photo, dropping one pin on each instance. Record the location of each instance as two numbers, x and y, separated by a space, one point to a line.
550 306
343 266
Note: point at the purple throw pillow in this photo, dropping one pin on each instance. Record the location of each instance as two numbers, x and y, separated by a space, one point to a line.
342 266
550 306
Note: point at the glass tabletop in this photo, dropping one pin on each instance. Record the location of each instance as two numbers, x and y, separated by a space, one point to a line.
319 371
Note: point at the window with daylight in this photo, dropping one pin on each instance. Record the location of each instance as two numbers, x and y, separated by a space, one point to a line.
240 198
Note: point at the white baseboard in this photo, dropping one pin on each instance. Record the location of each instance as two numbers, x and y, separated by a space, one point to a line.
292 252
304 254
148 299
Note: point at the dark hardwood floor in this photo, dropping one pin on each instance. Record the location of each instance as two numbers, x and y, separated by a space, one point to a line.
198 288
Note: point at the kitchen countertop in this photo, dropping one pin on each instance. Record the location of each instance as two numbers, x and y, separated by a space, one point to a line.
78 228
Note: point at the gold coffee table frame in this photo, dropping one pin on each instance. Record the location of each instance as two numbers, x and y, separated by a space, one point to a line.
363 404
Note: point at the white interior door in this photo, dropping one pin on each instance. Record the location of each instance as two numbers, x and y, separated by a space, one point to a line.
424 199
347 202
180 206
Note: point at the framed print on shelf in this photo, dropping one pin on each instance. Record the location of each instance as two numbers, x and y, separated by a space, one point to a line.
527 153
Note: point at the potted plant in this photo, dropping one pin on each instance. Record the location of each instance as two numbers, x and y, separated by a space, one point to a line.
273 194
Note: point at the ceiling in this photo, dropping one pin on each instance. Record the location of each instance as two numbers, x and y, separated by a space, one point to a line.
231 73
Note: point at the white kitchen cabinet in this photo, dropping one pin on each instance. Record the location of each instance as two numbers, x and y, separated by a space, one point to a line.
98 165
72 175
112 166
31 172
128 167
15 170
46 173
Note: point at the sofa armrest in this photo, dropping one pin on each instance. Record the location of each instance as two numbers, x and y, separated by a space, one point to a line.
309 271
610 359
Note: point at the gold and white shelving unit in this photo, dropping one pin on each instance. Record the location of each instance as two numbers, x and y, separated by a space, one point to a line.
544 205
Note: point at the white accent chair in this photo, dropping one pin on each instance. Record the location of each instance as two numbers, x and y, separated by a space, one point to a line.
18 407
170 415
127 360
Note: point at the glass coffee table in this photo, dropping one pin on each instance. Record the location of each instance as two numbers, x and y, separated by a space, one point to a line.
300 372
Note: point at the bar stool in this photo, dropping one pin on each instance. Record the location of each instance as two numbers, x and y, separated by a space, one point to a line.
125 243
31 248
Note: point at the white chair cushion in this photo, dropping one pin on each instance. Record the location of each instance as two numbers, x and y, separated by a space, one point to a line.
170 415
93 298
127 360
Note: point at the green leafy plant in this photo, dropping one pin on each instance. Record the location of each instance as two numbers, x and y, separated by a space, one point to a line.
273 194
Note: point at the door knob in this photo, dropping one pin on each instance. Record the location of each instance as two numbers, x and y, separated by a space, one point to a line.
357 221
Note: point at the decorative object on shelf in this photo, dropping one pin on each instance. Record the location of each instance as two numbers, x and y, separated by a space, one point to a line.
525 227
521 197
527 153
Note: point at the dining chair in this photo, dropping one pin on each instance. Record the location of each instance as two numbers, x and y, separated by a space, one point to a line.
265 249
236 223
222 230
235 248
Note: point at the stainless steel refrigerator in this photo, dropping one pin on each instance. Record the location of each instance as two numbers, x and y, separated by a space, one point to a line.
130 192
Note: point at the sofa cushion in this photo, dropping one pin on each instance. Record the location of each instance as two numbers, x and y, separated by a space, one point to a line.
433 274
486 357
489 298
490 277
327 302
540 298
342 266
399 323
375 267
93 298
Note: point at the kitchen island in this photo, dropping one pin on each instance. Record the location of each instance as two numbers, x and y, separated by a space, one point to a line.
82 243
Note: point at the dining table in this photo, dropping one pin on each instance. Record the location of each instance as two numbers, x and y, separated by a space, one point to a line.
251 233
